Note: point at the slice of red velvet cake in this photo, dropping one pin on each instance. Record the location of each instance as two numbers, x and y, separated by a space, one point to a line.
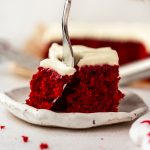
91 86
48 83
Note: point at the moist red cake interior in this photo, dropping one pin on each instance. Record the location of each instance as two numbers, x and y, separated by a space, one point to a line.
128 51
90 89
46 85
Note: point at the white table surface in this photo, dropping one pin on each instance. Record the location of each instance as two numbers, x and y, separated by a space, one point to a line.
112 137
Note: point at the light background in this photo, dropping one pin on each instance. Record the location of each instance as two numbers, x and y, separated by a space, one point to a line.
19 17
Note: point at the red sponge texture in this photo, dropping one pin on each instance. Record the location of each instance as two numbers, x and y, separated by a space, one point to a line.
90 89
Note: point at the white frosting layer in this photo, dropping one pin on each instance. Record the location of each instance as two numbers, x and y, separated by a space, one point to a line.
58 66
87 56
114 31
83 56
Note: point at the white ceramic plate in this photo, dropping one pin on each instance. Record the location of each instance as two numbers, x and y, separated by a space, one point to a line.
131 107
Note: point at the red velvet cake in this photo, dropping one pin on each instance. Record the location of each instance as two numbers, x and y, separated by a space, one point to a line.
90 86
48 83
131 41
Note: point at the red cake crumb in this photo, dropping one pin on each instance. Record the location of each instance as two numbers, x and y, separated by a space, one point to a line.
146 121
44 146
25 138
2 127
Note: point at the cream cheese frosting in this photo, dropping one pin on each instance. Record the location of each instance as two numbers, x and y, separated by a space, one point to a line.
87 56
136 32
58 66
83 56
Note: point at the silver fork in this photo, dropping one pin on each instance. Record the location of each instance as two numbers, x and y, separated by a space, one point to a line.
68 57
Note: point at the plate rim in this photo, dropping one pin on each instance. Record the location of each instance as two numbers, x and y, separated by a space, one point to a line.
27 110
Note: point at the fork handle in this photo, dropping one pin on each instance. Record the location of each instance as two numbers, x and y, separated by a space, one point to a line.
68 57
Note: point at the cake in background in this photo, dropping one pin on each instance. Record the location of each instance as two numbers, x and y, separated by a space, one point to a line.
130 40
90 86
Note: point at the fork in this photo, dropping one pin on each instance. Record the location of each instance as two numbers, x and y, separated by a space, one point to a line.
68 57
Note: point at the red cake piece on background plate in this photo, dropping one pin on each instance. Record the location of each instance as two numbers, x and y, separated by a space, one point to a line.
130 40
91 86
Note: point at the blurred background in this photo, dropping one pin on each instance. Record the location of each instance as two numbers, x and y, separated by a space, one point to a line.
19 17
